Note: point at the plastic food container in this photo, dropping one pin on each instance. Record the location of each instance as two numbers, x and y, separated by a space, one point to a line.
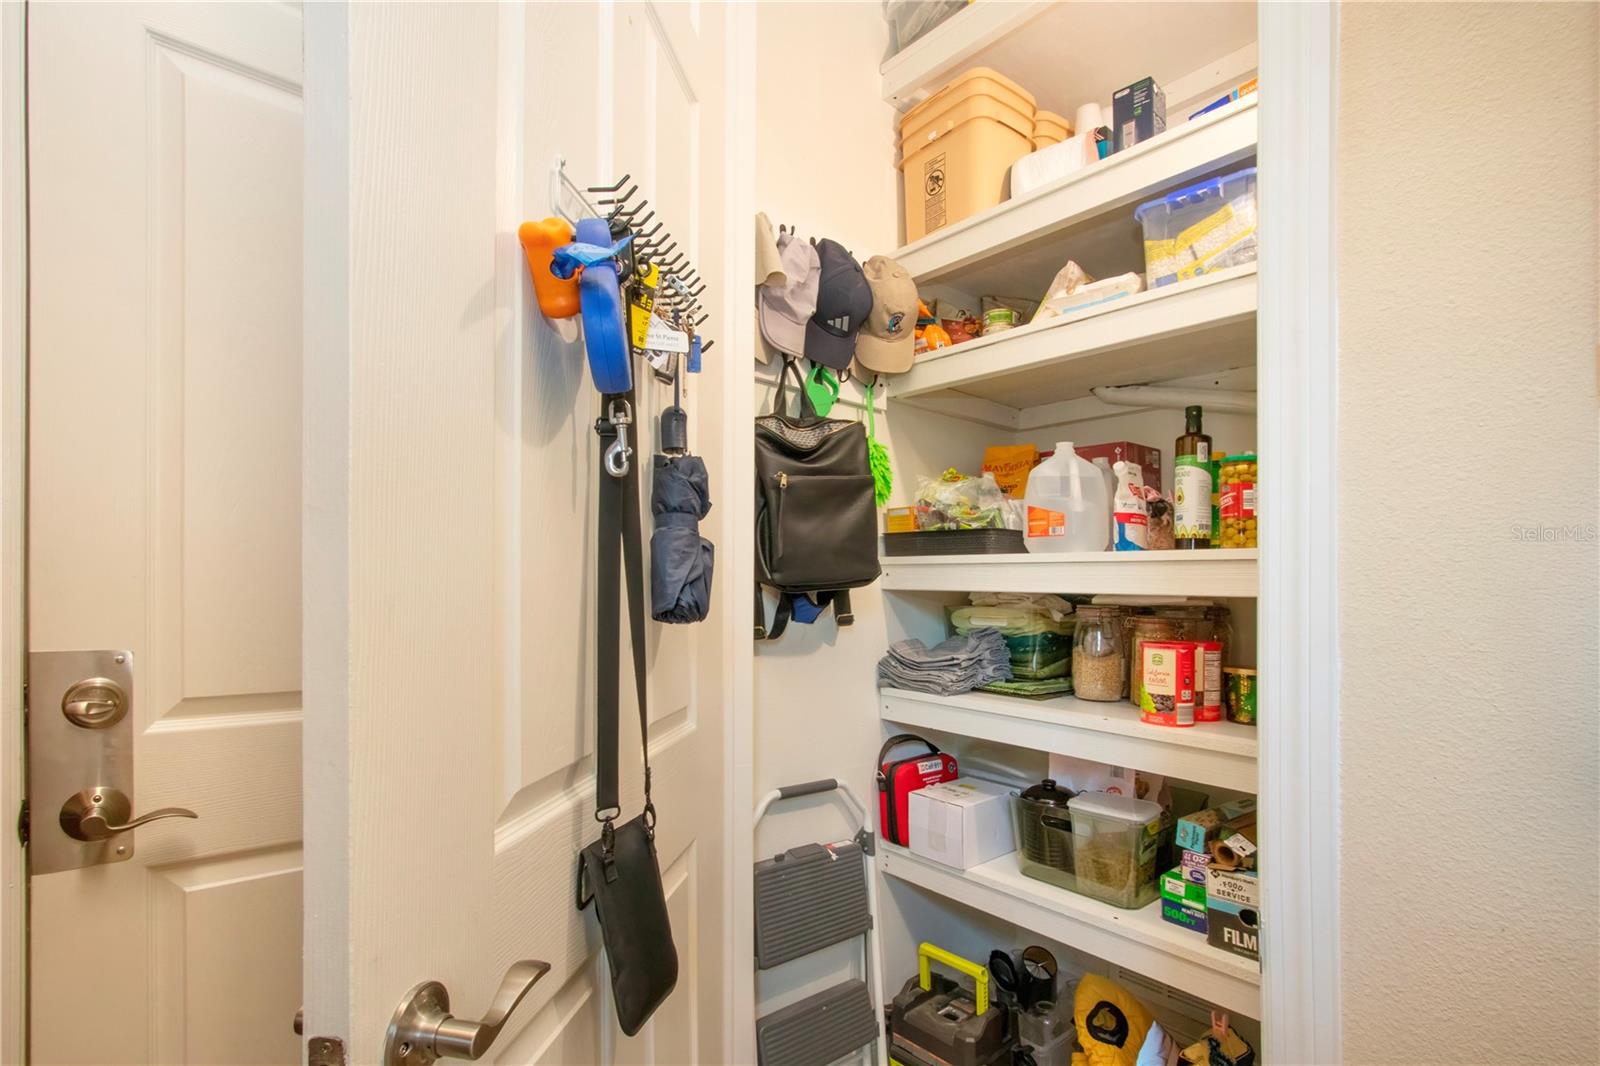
1050 128
1115 840
1040 646
957 146
1205 227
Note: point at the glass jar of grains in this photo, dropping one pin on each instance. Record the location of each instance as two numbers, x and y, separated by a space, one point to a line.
1099 654
1141 628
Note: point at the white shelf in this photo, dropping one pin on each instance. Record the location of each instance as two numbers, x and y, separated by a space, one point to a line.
1012 234
1027 41
1209 572
1205 325
1139 940
1212 753
915 72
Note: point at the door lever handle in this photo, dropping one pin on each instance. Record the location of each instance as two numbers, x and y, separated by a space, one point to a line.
101 813
424 1031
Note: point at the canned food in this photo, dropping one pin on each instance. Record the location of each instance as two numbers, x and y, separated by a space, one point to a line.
1241 685
1168 696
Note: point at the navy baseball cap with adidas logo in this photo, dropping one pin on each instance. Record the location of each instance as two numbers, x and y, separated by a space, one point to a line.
844 300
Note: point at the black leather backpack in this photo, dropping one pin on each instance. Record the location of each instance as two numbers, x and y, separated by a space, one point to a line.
816 521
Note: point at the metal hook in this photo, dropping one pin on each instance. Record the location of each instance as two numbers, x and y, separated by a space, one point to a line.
620 415
612 188
618 199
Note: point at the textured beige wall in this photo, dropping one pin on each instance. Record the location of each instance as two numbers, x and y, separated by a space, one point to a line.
1467 248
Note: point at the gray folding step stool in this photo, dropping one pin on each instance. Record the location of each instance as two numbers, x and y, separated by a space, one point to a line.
808 898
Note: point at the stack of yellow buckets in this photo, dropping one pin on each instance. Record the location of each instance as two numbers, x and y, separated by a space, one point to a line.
957 147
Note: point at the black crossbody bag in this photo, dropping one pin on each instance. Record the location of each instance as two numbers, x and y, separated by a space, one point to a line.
620 873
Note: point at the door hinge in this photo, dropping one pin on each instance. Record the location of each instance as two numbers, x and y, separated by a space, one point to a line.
325 1051
22 824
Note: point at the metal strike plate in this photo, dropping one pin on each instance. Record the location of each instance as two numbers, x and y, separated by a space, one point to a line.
325 1051
80 735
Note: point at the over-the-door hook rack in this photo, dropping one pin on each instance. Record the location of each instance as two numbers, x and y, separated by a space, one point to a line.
562 187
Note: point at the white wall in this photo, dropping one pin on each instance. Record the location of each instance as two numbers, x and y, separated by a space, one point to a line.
825 151
1467 214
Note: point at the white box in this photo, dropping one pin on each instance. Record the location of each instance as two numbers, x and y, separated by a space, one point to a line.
961 823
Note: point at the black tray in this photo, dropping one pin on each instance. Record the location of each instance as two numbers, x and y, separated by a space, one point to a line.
955 542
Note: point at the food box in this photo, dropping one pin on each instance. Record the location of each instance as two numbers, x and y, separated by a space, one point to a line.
1233 911
1183 902
1193 864
1195 830
961 823
1113 452
1167 696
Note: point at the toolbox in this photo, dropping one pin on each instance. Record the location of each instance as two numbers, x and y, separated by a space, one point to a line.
935 1021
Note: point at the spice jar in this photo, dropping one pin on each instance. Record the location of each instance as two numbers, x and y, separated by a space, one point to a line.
1238 502
1140 629
1099 654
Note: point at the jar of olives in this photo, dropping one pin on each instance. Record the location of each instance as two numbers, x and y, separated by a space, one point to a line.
1238 504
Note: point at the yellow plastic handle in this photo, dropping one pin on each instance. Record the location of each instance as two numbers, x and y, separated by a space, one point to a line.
927 954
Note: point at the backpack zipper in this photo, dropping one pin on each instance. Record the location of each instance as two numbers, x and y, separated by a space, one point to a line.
777 532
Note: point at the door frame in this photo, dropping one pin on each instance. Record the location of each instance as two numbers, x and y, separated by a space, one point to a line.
1302 968
13 525
1298 371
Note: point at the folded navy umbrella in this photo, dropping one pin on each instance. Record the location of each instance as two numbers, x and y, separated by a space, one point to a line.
680 558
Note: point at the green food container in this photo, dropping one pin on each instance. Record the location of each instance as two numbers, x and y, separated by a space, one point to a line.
1240 686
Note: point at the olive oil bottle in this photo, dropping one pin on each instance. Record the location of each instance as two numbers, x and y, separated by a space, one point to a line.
1191 496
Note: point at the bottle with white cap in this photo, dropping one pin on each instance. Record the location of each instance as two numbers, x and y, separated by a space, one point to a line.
1068 505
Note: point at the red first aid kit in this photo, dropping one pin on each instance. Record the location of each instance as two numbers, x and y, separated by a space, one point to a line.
898 778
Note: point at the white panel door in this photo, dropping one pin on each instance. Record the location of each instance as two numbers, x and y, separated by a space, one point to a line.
164 470
451 521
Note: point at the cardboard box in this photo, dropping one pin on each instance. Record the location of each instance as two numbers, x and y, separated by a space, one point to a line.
1178 888
1194 830
1138 113
1193 864
1148 458
1182 901
961 823
1186 915
1233 911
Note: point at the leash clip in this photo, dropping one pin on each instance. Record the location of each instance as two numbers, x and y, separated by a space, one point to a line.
618 455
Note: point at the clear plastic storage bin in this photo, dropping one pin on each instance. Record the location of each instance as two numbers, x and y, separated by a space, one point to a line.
1208 226
1115 843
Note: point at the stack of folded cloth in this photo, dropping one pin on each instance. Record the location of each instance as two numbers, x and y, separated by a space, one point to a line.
958 665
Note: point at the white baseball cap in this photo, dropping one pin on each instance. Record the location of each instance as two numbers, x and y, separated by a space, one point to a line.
788 300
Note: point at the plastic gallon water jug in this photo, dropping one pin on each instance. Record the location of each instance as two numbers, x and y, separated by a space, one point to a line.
1069 507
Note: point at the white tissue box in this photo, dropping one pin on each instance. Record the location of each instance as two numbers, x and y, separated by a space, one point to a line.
961 823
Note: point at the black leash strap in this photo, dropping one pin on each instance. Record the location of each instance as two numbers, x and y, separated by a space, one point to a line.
619 520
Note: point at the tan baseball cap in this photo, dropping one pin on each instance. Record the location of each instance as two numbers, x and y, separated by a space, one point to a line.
885 344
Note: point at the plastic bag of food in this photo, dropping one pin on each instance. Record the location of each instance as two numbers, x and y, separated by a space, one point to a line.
954 500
